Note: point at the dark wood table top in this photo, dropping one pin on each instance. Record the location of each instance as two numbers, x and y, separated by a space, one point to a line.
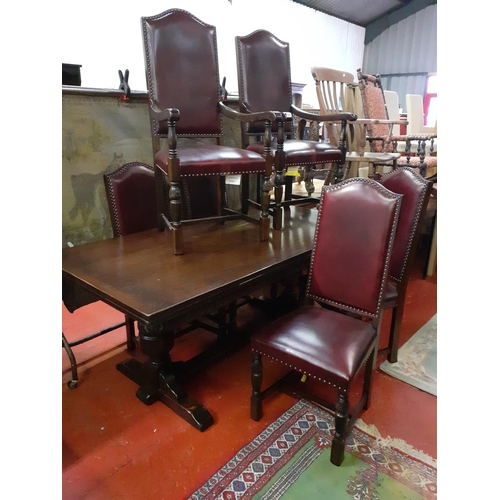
139 275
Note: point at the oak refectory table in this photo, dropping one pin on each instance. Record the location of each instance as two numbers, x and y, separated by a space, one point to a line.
138 275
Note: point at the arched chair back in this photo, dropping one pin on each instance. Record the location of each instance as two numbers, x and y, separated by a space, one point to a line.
185 101
416 191
264 84
130 191
344 234
262 89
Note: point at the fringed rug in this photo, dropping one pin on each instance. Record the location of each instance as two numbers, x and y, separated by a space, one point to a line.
417 359
291 460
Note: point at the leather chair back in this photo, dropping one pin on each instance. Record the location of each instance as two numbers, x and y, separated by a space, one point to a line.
354 237
415 190
130 191
264 75
182 71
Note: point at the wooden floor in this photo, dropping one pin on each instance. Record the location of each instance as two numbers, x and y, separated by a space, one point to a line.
115 447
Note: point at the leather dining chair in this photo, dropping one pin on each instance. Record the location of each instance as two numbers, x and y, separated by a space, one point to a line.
130 193
264 83
332 339
186 109
416 191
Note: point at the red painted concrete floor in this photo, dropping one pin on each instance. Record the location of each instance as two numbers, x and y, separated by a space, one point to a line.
115 447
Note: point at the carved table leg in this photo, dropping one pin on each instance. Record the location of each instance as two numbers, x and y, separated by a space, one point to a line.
157 379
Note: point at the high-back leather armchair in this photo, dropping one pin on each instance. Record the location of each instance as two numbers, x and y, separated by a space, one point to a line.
180 54
264 83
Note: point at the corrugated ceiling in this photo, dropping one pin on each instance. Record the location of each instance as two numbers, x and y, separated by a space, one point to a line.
360 12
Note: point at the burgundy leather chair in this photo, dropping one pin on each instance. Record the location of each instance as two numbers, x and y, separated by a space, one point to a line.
180 53
264 83
130 191
347 277
415 190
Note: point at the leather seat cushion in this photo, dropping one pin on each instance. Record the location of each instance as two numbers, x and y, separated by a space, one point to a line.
304 152
318 342
211 159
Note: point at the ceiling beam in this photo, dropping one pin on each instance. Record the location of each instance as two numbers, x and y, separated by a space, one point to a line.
376 27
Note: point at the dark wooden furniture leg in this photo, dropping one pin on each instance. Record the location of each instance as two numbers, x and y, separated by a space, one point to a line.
256 399
396 320
157 378
130 329
341 421
74 372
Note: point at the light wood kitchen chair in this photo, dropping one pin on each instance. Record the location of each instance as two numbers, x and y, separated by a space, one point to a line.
337 92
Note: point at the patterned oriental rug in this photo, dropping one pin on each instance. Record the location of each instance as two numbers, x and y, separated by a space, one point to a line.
417 359
291 460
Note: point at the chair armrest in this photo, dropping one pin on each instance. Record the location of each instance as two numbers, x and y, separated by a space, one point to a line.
248 116
351 117
376 121
170 114
419 137
415 137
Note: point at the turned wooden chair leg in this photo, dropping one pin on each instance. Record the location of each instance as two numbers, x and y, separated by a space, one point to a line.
368 380
245 193
279 181
396 319
288 188
339 437
160 197
256 399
